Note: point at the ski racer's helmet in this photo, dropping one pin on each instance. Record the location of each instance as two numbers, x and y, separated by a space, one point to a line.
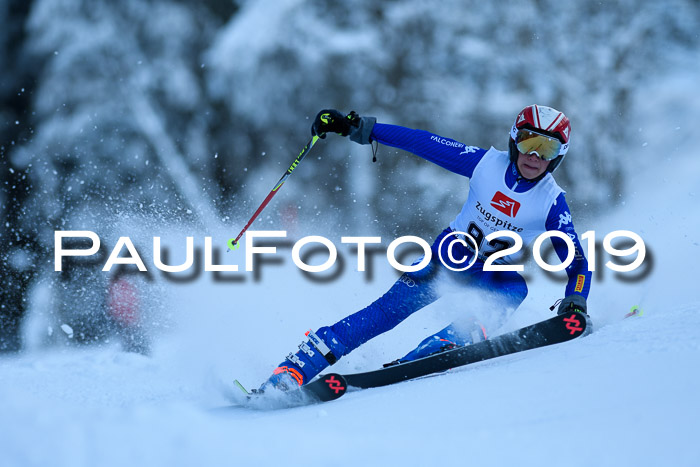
541 130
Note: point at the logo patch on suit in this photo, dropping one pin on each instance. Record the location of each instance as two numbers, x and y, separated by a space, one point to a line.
505 204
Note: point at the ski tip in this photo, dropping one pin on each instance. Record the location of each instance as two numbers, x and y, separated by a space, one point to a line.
577 324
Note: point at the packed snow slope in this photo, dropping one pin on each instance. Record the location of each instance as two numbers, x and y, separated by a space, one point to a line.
625 395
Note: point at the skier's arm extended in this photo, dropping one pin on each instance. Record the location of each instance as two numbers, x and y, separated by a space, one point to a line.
447 153
559 218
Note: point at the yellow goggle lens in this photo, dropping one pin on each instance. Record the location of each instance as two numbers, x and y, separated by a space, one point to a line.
530 142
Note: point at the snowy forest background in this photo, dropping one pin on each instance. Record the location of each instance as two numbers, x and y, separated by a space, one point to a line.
126 117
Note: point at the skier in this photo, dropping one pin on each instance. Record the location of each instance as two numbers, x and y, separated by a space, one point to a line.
509 190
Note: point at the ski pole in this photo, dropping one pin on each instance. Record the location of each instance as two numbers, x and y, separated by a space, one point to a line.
233 242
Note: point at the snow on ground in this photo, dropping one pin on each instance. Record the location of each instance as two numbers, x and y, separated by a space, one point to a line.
625 395
622 396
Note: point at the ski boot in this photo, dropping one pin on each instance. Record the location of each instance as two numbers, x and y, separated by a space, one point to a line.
315 355
447 339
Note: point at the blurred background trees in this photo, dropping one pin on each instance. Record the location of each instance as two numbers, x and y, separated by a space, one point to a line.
187 112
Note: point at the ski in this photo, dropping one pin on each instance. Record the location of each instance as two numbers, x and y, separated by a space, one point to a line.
554 330
325 388
331 386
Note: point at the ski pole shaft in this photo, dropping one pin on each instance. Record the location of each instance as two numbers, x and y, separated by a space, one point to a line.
233 243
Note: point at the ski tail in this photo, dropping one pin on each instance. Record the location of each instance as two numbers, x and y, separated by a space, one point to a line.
327 387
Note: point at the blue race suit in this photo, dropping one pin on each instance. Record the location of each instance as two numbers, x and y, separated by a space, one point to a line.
414 290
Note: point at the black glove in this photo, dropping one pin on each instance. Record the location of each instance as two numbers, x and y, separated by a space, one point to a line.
573 302
332 121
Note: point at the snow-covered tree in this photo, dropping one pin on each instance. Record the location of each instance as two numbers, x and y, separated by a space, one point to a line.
188 112
120 124
17 245
460 69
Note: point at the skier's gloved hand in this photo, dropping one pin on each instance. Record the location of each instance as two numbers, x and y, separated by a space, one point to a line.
332 121
573 302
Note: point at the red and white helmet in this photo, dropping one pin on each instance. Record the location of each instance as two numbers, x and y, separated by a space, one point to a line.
547 121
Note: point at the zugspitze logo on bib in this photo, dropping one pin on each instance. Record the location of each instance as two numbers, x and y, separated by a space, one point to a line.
504 204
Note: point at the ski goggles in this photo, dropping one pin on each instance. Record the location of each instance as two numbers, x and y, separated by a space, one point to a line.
545 147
